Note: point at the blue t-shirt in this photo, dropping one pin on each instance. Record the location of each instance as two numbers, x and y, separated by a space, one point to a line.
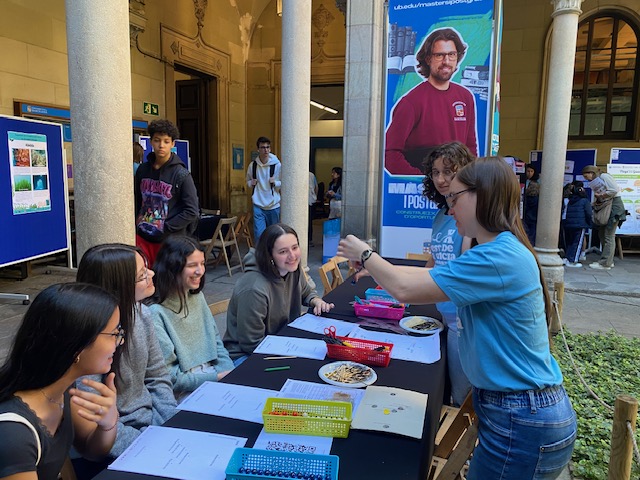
504 344
446 245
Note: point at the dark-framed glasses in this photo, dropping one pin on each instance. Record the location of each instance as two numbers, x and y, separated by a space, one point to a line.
452 198
119 335
440 55
144 277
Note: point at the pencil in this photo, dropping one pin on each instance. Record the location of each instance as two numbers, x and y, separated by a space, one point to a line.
278 358
275 369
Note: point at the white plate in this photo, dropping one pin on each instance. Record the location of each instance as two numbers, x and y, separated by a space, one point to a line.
409 323
330 367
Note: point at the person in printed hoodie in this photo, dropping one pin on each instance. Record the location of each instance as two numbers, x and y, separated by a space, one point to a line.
166 199
263 176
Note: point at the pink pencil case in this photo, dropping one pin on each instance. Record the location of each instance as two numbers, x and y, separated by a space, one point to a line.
379 309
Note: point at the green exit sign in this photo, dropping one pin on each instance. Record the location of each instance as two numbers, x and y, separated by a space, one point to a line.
150 108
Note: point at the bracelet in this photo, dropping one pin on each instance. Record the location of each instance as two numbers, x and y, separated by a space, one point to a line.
114 425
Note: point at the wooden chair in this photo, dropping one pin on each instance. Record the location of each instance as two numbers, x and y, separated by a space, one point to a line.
455 441
339 260
220 241
219 307
243 232
336 276
419 256
67 472
208 211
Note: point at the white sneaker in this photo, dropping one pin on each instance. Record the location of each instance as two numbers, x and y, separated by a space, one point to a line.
583 258
564 261
574 265
598 266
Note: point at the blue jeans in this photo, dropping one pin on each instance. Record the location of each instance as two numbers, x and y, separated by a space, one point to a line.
460 384
262 219
526 435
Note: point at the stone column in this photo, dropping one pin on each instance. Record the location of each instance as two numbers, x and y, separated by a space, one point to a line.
296 94
556 130
363 118
100 98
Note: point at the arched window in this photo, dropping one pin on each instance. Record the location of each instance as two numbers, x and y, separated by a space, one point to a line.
605 80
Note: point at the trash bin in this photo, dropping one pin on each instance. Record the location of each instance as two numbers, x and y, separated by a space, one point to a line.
330 238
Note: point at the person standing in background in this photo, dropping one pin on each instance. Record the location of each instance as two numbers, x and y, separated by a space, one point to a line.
313 198
165 195
577 220
138 154
530 203
334 194
607 190
263 177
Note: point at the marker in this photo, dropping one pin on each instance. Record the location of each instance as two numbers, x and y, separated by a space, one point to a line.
276 369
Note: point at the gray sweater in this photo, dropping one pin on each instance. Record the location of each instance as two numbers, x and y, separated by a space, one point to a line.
145 394
189 340
261 307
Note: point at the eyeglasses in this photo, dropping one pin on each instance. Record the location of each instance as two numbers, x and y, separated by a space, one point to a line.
144 277
454 197
119 335
446 174
440 55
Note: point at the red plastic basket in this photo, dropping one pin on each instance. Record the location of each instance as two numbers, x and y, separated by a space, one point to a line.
361 351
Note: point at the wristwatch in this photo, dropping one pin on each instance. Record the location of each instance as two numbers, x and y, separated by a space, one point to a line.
365 256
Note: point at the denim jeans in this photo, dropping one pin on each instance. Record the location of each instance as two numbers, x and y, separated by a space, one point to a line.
527 435
262 219
460 384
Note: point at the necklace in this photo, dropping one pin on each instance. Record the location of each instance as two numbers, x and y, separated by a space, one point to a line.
51 400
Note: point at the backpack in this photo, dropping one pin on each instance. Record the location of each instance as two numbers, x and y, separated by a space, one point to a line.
14 417
254 167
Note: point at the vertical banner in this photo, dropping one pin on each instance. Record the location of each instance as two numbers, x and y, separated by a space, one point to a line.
441 83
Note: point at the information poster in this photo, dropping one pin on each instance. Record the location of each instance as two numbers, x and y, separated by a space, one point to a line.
628 179
29 167
441 77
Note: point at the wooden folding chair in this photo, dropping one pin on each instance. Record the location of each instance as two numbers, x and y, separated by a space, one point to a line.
419 256
219 307
67 472
243 232
339 260
455 441
336 275
218 240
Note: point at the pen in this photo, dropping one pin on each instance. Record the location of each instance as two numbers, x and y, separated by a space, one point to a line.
278 358
275 369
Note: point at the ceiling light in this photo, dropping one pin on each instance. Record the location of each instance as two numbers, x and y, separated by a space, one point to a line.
323 107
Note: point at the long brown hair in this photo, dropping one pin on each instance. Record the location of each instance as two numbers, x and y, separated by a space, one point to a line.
498 205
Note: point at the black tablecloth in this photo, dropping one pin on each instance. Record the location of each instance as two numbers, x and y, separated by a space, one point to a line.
363 455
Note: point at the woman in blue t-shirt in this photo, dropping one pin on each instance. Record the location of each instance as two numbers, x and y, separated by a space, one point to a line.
527 426
440 168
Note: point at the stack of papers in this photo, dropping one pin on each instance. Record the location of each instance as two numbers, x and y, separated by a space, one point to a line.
423 349
298 347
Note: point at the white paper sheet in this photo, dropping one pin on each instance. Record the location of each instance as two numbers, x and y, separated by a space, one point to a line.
228 400
422 349
320 391
280 442
393 410
299 347
179 453
316 324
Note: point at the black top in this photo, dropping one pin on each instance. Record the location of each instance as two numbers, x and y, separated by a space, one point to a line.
19 451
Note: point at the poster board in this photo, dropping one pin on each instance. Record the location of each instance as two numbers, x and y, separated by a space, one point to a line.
469 115
628 179
181 148
625 156
34 201
575 161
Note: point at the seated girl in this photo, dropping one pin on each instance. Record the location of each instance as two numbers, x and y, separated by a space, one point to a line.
69 331
145 392
188 334
270 293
